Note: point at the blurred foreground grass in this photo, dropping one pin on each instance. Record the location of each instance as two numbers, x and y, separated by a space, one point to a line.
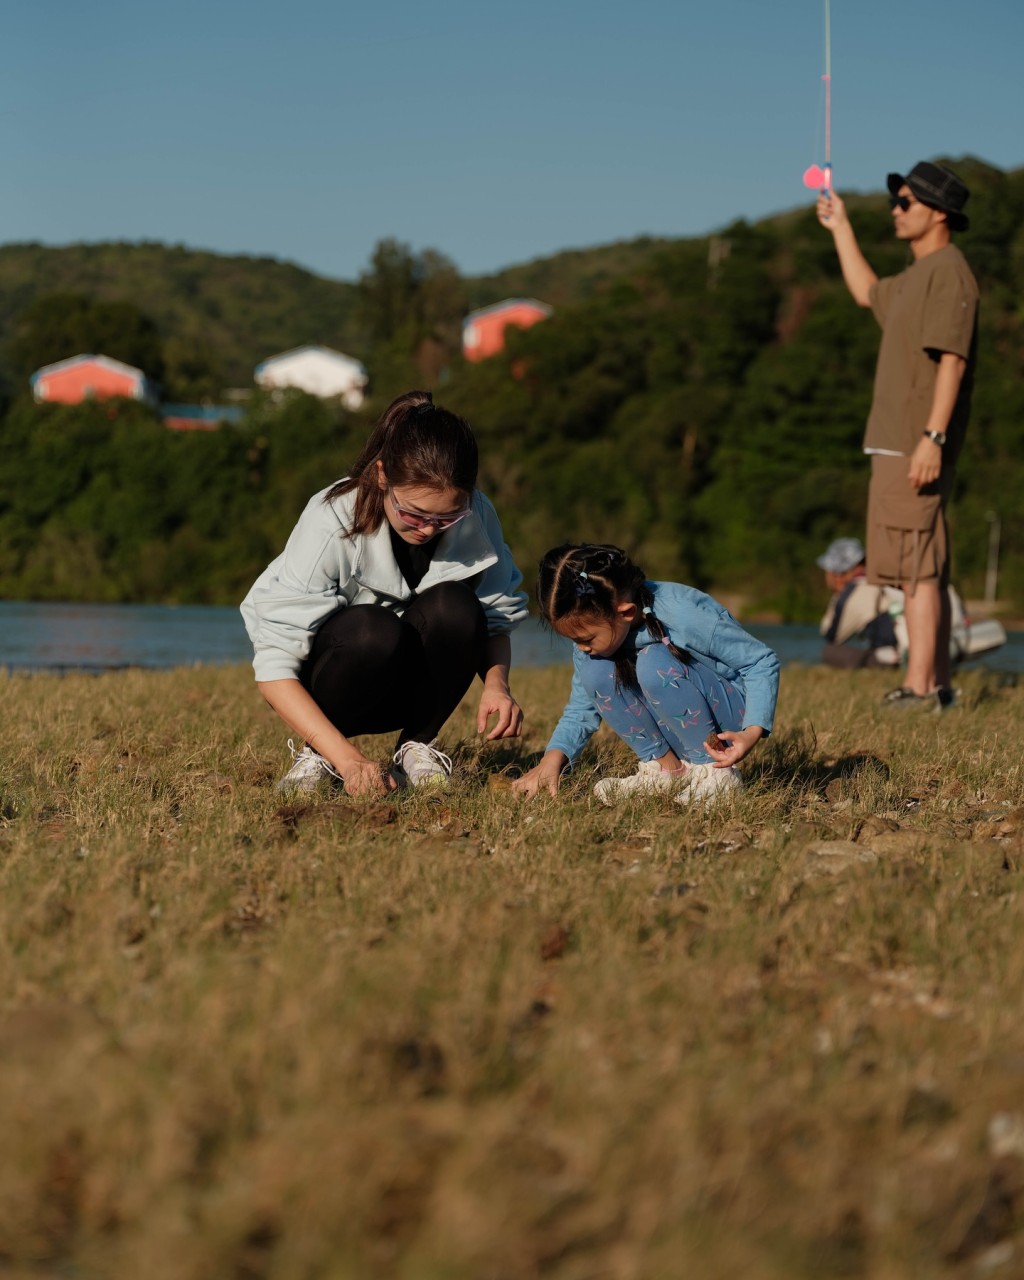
469 1037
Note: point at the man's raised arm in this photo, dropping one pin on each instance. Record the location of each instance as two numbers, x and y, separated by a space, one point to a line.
856 270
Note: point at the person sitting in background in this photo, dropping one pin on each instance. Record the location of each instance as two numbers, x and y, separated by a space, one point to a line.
874 616
858 628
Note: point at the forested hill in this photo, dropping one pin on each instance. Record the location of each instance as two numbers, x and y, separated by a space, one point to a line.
218 315
700 401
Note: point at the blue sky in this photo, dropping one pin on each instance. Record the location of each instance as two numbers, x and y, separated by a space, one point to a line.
492 132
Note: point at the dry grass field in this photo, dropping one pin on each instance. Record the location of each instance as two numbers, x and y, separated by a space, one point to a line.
474 1038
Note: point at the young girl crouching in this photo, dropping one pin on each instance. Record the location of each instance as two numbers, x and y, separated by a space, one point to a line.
665 666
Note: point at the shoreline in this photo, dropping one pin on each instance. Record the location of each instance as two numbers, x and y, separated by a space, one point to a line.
976 611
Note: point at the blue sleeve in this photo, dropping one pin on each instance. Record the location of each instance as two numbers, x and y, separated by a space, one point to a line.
756 665
578 724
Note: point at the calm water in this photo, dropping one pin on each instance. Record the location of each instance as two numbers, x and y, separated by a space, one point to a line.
96 637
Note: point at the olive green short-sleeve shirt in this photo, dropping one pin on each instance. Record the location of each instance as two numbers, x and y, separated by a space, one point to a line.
930 308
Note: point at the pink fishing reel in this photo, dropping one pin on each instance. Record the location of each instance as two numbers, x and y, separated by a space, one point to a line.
818 178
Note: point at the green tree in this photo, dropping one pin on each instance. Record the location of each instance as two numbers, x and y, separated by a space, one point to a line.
411 306
59 325
387 291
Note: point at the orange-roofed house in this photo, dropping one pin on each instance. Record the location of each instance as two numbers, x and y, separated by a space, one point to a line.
89 377
483 331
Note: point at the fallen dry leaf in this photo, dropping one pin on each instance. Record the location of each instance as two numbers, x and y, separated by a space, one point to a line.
554 942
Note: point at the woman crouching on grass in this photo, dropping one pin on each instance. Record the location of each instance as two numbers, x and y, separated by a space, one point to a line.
395 588
665 666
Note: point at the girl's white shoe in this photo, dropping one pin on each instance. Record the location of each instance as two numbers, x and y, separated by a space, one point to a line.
693 784
705 785
650 779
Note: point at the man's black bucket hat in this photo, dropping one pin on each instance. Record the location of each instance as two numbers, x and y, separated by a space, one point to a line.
938 187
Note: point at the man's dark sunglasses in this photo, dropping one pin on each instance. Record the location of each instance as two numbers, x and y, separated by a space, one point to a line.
904 202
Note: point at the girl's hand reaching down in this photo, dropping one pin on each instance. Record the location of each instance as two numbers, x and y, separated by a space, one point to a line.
544 776
732 745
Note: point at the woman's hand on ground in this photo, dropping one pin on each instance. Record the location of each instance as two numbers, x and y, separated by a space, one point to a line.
736 744
364 778
544 776
497 701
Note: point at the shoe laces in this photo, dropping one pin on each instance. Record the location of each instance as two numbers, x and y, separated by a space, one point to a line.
307 753
420 749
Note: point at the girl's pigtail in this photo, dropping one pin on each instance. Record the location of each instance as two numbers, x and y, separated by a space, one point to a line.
657 627
625 669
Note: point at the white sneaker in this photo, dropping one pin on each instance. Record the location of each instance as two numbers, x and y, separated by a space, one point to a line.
308 770
420 764
650 779
704 784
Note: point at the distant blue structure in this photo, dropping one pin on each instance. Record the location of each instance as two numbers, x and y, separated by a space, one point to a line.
199 417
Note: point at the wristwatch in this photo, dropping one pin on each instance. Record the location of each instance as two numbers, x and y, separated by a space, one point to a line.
939 437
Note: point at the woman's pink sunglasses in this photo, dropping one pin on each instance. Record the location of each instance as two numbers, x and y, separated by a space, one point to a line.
418 520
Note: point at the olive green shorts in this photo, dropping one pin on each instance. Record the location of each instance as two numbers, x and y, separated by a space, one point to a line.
907 540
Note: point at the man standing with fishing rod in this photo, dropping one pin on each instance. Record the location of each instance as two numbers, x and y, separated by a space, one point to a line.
919 410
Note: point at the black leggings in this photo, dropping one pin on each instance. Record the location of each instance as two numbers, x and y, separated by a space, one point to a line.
371 671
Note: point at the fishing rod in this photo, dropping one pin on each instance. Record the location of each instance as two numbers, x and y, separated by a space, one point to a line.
820 176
